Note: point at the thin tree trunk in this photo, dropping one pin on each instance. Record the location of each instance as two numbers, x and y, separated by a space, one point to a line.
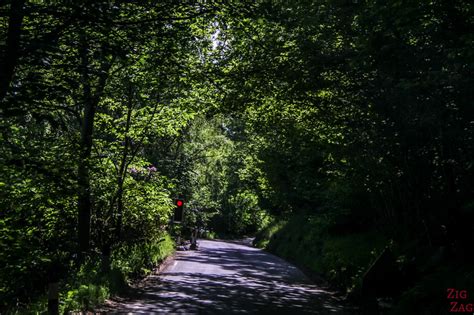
84 199
123 165
129 153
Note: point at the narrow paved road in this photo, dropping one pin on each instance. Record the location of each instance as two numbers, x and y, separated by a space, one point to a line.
223 278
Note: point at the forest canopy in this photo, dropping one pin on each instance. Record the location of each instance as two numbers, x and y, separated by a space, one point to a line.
358 112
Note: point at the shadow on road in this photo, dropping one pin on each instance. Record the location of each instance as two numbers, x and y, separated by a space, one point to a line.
230 279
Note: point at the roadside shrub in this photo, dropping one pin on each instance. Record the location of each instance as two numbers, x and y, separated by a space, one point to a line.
263 237
135 260
92 286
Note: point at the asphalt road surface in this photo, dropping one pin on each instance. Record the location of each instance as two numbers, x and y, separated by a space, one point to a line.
224 278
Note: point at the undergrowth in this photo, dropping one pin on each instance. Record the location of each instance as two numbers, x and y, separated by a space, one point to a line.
98 278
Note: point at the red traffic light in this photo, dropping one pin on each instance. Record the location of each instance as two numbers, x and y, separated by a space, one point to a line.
178 210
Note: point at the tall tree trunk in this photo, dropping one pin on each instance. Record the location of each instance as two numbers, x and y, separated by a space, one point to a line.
91 99
12 50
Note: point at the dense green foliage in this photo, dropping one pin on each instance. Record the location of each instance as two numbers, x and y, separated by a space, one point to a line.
360 112
89 89
221 184
348 124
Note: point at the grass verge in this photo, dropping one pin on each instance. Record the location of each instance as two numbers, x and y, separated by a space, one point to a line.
306 241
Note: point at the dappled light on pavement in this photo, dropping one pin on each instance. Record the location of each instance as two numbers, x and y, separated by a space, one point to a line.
224 278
